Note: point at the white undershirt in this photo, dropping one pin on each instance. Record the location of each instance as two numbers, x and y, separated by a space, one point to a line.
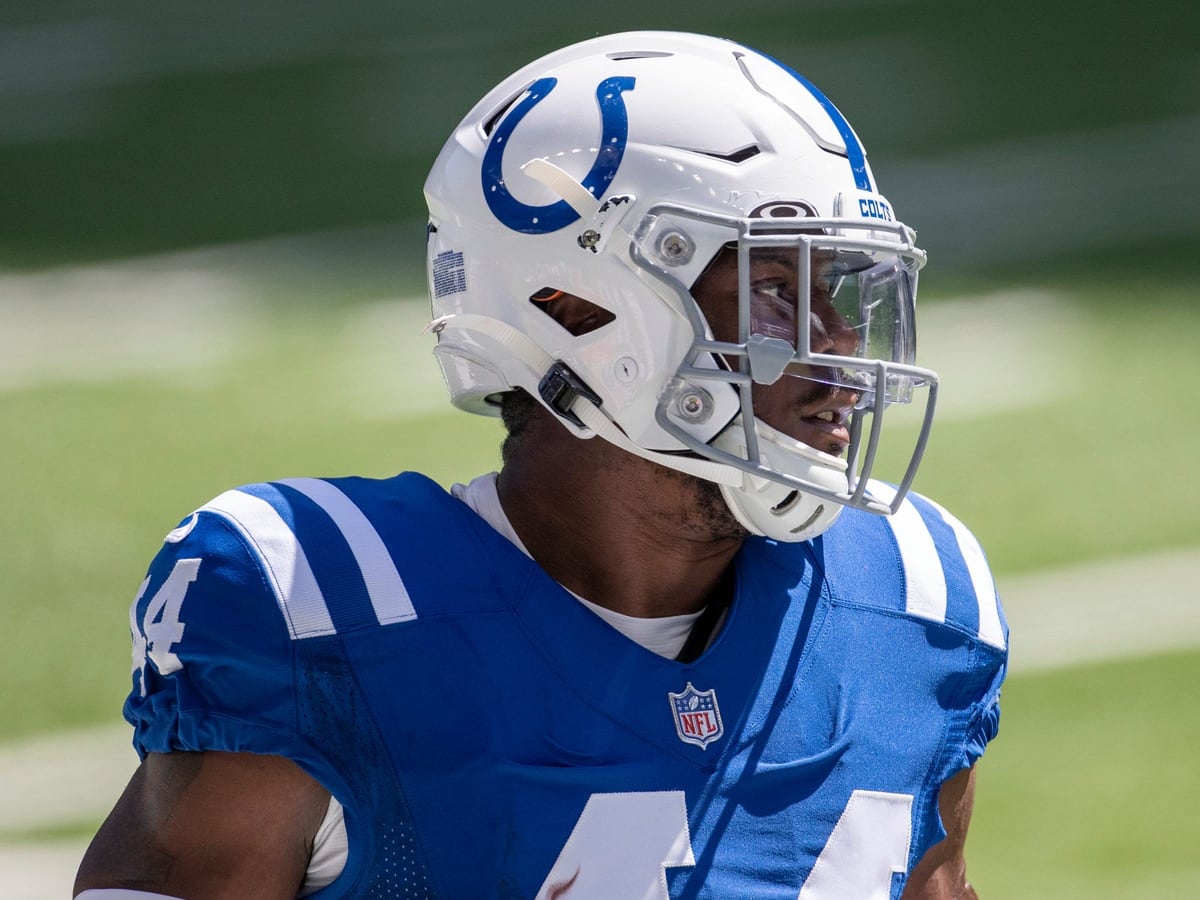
664 635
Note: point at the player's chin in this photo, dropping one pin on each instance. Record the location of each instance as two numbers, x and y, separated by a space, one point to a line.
836 448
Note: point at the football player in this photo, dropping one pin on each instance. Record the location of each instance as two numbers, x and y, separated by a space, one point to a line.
688 642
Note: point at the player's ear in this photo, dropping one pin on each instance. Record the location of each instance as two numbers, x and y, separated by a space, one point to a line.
575 314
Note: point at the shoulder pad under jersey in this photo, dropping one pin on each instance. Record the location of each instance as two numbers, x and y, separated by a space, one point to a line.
921 560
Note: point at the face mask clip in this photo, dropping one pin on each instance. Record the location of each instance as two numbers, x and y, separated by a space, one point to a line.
768 357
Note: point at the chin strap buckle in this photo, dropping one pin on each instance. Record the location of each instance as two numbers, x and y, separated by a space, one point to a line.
558 389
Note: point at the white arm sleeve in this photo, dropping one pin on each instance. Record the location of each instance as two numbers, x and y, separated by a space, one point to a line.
120 894
330 849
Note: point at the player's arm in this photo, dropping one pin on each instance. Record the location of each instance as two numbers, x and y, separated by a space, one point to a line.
942 872
209 825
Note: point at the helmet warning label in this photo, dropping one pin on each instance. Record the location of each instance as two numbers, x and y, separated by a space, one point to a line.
448 273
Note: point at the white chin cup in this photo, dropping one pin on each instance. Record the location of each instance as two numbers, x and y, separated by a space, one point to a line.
780 511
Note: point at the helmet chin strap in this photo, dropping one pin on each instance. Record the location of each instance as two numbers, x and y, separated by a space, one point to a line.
762 506
593 418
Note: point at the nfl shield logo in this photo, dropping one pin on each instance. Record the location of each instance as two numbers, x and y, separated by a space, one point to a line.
697 716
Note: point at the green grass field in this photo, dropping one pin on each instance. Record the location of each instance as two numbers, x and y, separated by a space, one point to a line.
1091 788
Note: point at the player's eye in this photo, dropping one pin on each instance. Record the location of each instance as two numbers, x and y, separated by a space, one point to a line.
775 297
773 310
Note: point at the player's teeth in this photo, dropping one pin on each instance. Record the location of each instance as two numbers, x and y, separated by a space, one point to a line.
826 416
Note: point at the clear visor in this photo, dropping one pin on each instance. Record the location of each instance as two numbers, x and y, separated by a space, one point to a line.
859 305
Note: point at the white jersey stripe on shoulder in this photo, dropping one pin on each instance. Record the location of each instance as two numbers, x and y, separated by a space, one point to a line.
990 630
924 578
284 563
389 596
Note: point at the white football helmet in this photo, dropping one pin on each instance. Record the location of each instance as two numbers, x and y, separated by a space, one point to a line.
616 170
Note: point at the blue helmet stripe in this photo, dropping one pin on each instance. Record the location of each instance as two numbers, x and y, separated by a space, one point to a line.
854 150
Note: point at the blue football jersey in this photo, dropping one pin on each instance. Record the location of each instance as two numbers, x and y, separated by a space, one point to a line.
489 736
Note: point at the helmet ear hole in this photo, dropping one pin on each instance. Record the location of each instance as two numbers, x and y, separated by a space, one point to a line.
575 314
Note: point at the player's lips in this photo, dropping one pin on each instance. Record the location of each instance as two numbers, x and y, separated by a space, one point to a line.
813 412
825 425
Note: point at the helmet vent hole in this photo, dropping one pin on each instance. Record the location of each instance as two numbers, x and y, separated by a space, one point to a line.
576 315
807 523
736 156
490 124
785 504
639 54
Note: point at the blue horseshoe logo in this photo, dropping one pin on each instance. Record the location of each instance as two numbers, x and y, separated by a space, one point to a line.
544 219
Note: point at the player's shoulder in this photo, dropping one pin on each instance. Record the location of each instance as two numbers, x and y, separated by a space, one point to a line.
336 554
921 561
246 585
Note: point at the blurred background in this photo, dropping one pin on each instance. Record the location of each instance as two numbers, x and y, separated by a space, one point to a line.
211 251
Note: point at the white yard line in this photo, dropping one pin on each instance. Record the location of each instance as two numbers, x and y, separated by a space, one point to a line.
981 347
53 780
63 778
1079 614
193 324
1107 610
93 324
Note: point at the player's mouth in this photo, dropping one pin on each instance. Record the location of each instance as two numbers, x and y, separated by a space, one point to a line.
814 412
825 427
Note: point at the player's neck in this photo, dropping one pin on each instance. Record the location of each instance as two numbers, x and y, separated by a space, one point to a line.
614 529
